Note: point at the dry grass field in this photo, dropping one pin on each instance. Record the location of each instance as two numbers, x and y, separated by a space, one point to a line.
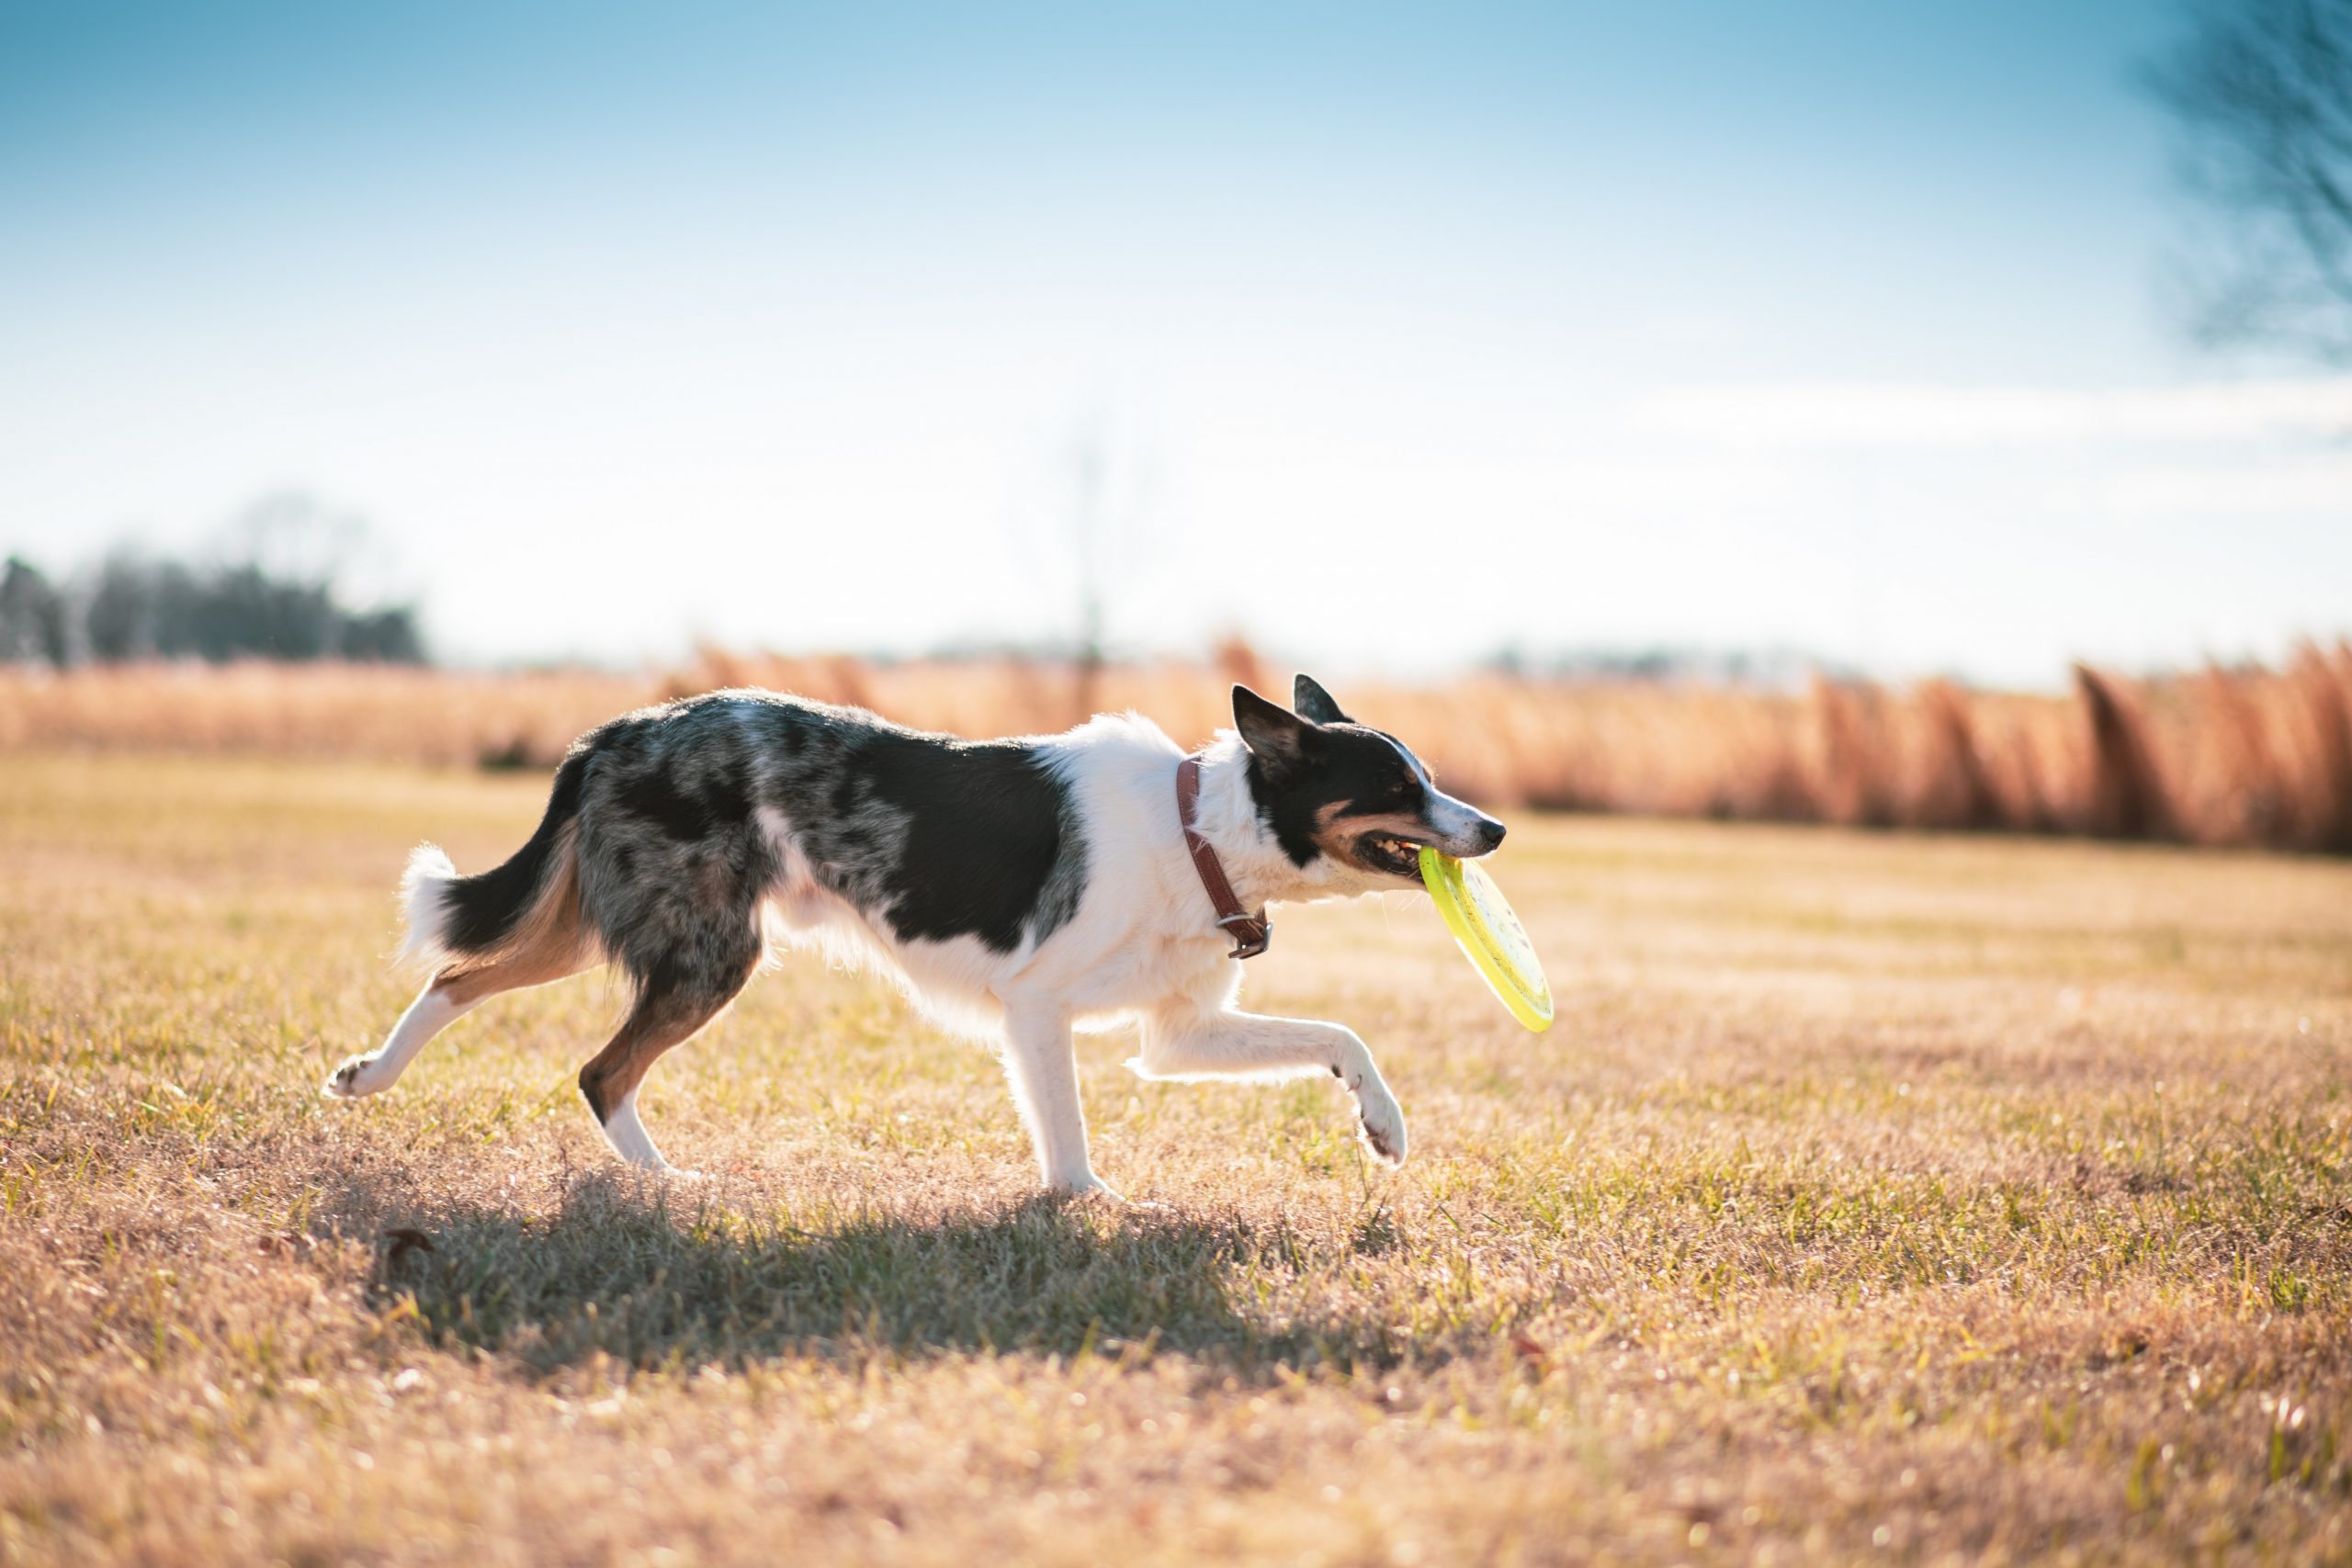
1877 1199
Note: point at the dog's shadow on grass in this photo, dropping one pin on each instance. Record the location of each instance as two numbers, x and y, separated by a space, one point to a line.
658 1279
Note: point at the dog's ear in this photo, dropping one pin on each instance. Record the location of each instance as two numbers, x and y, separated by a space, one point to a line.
1275 735
1313 703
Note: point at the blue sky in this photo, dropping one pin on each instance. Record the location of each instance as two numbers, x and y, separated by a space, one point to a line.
1407 332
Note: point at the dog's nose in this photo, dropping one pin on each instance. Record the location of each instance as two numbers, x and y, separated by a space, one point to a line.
1490 833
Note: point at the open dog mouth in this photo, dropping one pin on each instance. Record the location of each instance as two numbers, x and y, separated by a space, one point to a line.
1389 853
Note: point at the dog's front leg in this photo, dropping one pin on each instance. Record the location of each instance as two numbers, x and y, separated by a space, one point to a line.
1039 1059
1184 1044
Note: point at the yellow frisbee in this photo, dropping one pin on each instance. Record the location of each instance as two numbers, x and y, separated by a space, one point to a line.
1479 916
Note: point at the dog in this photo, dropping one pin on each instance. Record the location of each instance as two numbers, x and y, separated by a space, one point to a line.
1017 889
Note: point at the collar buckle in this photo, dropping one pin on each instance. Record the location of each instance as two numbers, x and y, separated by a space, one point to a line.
1252 934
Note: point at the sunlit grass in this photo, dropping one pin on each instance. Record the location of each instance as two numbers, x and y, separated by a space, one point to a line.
1898 1199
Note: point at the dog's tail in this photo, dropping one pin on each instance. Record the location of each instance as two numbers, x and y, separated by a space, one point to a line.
464 922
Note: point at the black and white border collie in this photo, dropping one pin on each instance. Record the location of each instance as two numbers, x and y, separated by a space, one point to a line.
1018 889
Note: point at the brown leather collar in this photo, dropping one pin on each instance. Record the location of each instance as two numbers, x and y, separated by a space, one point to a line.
1250 933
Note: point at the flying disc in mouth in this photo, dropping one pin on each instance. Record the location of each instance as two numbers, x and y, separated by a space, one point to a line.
1480 918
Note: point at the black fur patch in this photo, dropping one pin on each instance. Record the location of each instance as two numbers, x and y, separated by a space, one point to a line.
985 828
687 811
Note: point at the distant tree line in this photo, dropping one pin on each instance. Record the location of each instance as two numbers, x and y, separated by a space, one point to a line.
1786 668
133 607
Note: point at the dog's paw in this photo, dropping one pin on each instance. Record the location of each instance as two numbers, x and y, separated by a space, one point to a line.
359 1076
1091 1188
1382 1122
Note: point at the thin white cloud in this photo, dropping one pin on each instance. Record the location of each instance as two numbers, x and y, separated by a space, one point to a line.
2295 491
1831 414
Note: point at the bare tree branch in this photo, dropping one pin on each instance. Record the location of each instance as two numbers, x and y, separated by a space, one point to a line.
2262 92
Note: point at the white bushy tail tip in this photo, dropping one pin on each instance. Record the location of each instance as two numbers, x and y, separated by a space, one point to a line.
423 905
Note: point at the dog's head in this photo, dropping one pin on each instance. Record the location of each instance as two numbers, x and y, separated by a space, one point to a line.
1329 786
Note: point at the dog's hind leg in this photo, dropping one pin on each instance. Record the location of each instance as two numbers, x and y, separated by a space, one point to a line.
540 939
674 1000
451 995
1186 1045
